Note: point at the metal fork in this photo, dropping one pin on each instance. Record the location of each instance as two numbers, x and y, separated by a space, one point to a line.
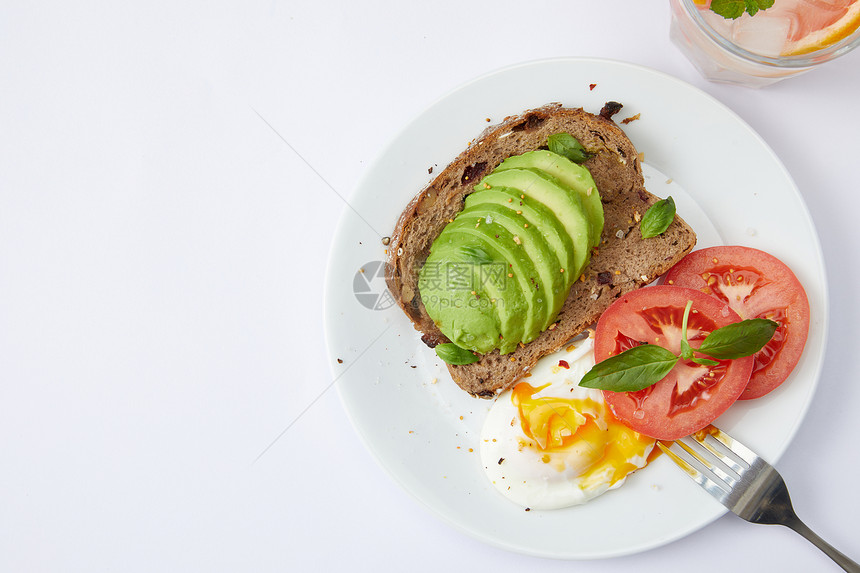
743 482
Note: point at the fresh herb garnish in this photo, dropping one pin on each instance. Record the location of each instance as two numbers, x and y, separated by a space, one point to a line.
567 145
453 354
475 255
634 369
732 9
642 366
740 339
686 350
657 218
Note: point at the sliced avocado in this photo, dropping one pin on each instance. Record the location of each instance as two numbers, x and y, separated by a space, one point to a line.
468 320
506 248
565 203
551 282
493 289
503 293
574 176
537 215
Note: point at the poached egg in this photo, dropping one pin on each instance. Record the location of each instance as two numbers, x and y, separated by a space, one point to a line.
548 443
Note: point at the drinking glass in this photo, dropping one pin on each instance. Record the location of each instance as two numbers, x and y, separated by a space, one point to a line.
747 51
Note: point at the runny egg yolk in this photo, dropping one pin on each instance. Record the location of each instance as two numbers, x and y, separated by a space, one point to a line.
559 427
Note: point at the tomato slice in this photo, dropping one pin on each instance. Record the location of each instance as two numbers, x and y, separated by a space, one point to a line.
755 284
691 396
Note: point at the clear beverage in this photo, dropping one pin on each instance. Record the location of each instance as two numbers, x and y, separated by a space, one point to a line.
782 29
789 38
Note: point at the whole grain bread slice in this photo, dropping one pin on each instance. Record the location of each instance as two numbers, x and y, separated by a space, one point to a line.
623 261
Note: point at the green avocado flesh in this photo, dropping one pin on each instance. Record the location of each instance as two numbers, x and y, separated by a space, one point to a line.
499 273
565 203
536 214
569 173
446 283
546 282
517 268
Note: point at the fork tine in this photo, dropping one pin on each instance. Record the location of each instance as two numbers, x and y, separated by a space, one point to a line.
682 463
730 461
698 476
712 465
735 446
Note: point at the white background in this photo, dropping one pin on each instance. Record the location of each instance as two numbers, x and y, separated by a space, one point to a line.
162 257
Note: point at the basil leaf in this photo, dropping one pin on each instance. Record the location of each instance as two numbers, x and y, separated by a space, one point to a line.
453 354
476 255
657 218
633 369
740 339
732 9
567 145
686 351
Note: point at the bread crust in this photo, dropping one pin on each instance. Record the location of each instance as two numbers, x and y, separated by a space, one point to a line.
623 261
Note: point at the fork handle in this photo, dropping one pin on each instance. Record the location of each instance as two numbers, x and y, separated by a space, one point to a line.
840 558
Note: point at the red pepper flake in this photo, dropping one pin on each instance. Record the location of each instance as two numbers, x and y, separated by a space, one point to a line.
629 119
591 86
564 364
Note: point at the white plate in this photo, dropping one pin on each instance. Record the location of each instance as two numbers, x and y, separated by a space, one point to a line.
420 427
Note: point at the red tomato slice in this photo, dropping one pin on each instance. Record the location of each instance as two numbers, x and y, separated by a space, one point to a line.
691 396
755 285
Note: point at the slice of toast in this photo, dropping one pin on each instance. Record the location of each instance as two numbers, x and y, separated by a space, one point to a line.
624 260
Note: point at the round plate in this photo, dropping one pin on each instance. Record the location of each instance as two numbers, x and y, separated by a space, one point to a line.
423 430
